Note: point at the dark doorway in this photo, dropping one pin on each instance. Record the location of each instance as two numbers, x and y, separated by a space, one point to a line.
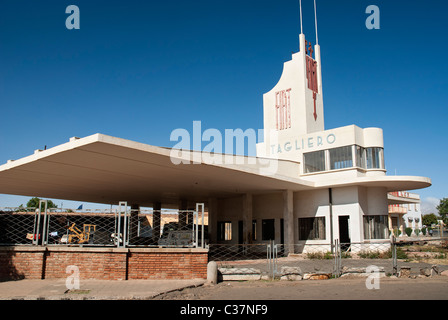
240 232
268 229
344 233
282 231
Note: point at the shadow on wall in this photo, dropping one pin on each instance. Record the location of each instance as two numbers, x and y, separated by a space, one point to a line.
8 271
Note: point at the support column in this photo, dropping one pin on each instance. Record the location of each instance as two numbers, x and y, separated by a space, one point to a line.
157 207
288 218
247 218
212 220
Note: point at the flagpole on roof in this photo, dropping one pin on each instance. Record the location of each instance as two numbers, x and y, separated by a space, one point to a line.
315 21
301 25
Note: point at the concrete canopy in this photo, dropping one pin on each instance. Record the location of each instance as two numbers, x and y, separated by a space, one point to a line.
105 169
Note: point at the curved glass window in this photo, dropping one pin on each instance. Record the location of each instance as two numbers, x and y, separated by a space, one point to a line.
360 157
374 158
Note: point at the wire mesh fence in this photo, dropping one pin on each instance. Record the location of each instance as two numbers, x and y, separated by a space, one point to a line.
121 227
241 261
271 260
392 256
293 261
167 228
16 227
306 258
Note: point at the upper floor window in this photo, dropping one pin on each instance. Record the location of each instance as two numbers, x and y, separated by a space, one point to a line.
344 157
341 158
360 157
314 161
374 158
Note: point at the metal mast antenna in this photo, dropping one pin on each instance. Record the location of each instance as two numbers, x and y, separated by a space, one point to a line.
315 21
301 26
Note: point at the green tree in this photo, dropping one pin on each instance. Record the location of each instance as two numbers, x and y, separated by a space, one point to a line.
429 219
34 203
443 209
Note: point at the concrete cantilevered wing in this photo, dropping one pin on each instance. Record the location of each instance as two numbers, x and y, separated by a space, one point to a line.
105 169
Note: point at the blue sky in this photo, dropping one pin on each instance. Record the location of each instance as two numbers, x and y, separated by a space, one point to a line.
140 69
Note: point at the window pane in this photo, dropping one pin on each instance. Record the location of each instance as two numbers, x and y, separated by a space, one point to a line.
373 158
341 158
360 157
312 228
314 161
375 227
224 231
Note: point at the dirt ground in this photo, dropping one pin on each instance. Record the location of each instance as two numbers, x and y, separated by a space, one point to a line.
431 288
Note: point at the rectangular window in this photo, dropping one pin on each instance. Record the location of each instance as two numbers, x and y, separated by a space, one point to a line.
360 157
314 161
268 229
375 227
341 158
224 230
374 158
312 228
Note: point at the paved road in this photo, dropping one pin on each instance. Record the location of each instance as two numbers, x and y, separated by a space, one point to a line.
56 289
435 288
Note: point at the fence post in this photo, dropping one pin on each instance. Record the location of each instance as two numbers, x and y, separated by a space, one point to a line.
36 226
197 228
337 258
44 234
271 256
202 217
119 235
394 256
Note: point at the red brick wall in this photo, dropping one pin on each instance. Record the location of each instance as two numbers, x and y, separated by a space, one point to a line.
167 265
21 264
102 263
98 264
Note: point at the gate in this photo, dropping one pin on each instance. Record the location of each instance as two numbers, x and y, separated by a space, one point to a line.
272 259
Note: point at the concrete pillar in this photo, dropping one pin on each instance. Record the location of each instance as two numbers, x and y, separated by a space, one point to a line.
183 206
247 218
212 220
288 219
212 272
157 207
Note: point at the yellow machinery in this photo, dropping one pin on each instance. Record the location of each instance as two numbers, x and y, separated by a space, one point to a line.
81 236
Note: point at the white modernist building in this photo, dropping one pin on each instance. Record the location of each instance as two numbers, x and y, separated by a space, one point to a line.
349 201
307 184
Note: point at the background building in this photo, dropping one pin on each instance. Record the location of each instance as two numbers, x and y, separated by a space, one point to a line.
404 211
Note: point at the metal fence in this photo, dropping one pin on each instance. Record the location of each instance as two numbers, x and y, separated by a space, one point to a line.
121 227
274 261
244 260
